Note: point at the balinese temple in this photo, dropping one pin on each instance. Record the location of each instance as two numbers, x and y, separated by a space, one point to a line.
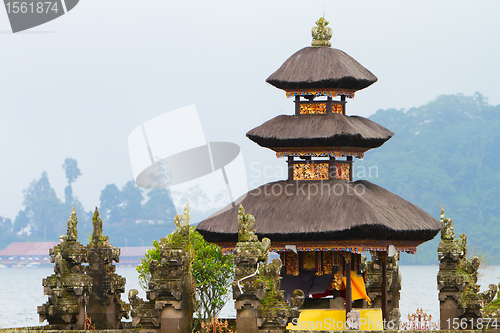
318 219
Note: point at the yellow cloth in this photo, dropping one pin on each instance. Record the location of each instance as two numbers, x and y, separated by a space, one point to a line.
358 290
319 320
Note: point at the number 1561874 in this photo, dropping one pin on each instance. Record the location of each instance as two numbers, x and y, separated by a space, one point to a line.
40 7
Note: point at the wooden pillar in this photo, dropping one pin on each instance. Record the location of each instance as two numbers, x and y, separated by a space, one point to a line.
290 168
329 104
351 165
297 105
342 98
332 169
348 288
383 257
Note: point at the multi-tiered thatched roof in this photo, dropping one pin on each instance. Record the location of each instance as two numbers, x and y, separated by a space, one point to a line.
321 68
323 130
334 210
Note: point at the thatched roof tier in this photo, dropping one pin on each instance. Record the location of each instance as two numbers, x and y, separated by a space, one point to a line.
321 68
317 211
320 130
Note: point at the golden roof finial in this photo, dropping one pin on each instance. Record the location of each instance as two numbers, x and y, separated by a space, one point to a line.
321 33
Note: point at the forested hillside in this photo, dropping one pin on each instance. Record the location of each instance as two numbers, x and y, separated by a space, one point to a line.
446 152
131 216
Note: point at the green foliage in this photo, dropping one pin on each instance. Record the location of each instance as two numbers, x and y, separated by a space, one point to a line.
129 222
159 205
44 216
71 169
443 153
143 268
212 271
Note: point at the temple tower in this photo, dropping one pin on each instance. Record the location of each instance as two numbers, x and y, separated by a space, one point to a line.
319 219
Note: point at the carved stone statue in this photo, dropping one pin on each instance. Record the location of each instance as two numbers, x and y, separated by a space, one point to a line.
246 226
259 302
321 33
97 227
353 320
72 233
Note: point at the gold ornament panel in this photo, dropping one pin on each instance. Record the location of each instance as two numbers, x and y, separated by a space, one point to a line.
338 108
327 262
343 171
321 152
320 92
313 108
310 171
292 263
309 260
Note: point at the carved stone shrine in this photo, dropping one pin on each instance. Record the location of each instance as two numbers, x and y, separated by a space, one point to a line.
259 302
171 290
459 295
104 307
68 288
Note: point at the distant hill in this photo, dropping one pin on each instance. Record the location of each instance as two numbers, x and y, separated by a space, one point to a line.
446 152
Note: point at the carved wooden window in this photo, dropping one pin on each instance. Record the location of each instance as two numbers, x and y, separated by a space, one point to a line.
343 171
313 108
310 171
338 108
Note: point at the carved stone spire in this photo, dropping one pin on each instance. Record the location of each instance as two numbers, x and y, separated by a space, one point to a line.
97 230
321 33
72 232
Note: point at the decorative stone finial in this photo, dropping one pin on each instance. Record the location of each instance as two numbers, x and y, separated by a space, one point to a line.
97 223
321 33
246 223
72 233
183 220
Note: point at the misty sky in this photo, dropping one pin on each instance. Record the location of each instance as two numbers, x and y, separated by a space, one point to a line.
77 86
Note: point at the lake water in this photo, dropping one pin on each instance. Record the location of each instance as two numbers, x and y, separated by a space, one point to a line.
21 292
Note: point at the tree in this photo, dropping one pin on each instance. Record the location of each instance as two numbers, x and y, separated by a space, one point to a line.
212 270
131 196
110 203
159 205
6 232
72 171
44 214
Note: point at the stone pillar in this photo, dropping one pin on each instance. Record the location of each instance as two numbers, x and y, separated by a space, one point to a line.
104 307
374 281
259 302
171 293
68 287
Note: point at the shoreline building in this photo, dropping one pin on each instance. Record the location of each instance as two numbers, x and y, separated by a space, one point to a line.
36 254
319 220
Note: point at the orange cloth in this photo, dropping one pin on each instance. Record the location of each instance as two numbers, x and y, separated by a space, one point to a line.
358 290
